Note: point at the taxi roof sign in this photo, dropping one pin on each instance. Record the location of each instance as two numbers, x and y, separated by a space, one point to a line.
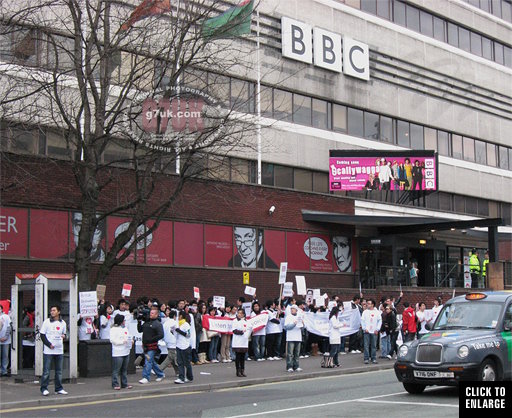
475 296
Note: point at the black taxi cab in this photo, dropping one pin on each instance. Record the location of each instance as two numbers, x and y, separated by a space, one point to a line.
471 339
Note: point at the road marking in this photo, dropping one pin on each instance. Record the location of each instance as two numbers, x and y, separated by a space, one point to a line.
87 403
409 403
312 406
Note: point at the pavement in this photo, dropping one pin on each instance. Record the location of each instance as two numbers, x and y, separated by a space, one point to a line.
207 377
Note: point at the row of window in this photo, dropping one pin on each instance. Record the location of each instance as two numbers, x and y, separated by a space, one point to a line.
498 8
442 29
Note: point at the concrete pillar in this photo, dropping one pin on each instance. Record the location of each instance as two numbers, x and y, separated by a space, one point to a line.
495 277
492 233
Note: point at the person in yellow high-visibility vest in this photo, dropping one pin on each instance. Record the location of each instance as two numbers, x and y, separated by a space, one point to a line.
484 267
474 267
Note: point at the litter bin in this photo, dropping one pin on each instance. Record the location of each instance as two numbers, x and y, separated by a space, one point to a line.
95 359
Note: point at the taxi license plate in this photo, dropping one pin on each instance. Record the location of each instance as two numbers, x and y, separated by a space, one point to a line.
430 374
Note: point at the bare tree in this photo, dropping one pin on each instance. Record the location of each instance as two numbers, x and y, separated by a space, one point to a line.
147 92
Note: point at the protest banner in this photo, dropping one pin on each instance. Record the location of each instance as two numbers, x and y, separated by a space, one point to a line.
101 289
219 301
301 285
318 323
127 290
251 291
258 322
88 304
222 325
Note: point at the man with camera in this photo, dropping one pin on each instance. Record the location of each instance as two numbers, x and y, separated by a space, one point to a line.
152 331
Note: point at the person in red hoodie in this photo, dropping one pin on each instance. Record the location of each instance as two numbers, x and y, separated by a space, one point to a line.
409 323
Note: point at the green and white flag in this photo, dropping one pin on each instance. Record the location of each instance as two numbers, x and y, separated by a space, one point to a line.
233 22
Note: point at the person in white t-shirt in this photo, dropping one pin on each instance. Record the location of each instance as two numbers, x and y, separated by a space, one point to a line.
424 318
438 305
122 343
53 332
371 322
183 349
169 326
106 321
293 324
5 340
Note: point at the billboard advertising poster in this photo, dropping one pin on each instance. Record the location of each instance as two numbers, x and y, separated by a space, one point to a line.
188 244
275 245
13 232
218 245
48 234
383 170
319 249
98 241
118 225
159 244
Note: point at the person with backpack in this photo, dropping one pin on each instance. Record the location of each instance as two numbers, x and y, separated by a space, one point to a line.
409 320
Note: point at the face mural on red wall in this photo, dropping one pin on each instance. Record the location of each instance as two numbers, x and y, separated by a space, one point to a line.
13 232
249 249
48 234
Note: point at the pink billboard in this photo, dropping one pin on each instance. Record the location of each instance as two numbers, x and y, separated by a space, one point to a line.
374 170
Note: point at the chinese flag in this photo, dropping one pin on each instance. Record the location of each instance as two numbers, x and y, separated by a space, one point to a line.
146 9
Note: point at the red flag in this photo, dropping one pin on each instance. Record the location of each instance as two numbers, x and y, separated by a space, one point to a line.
146 9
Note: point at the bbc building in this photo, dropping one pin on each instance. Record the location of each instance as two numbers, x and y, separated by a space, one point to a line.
362 88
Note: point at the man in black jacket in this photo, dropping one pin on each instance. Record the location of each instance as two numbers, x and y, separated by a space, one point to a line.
152 332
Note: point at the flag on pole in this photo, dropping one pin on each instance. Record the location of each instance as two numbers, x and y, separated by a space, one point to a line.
360 291
453 293
233 22
146 9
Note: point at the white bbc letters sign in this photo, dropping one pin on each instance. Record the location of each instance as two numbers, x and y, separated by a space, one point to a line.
327 49
300 42
356 59
296 40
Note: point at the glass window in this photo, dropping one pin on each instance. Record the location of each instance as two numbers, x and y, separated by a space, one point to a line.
218 167
480 152
430 139
471 205
496 7
218 87
413 18
443 143
493 209
399 13
402 134
453 35
119 153
475 3
267 174
266 101
469 149
355 122
302 109
439 32
23 141
459 203
386 129
476 44
416 134
486 48
56 145
510 158
239 170
320 114
433 201
507 56
498 53
283 105
426 26
369 6
483 207
320 182
302 180
457 146
491 155
464 39
383 9
371 126
506 11
503 151
240 99
61 48
283 176
339 118
485 5
445 201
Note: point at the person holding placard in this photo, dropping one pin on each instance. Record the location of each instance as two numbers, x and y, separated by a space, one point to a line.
258 337
240 342
293 325
122 343
53 332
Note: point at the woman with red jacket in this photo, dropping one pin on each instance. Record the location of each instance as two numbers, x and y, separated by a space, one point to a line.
408 323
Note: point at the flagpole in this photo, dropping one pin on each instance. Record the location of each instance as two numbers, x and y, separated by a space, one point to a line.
177 66
258 92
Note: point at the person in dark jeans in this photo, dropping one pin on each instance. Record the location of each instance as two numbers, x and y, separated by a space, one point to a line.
183 350
152 332
122 343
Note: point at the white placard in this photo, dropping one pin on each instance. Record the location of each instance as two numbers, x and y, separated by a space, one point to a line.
219 301
288 289
197 295
247 307
347 305
251 291
88 304
332 304
301 285
283 268
316 293
127 290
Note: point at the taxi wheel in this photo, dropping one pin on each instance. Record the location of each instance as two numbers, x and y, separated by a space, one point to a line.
414 388
488 372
